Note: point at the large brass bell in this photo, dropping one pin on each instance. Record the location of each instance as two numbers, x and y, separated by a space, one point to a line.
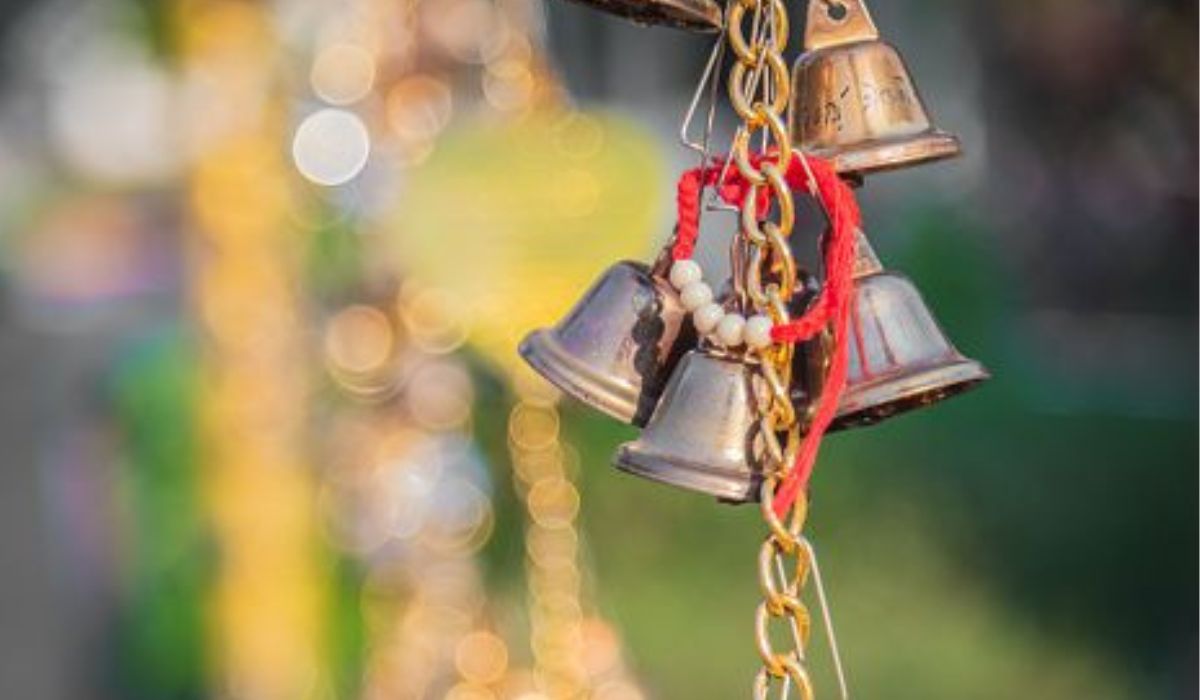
899 359
701 436
616 348
853 101
695 15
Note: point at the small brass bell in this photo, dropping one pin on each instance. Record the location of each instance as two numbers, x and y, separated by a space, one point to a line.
694 15
853 101
701 436
898 357
616 348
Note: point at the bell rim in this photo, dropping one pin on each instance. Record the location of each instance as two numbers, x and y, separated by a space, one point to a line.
701 16
892 153
940 381
726 486
541 351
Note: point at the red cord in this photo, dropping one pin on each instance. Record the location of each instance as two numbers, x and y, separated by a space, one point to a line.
832 304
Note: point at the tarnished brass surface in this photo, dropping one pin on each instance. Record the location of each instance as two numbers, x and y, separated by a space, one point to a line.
837 22
616 348
854 102
693 15
899 357
701 435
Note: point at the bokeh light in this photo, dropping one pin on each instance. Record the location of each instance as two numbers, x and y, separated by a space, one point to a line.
343 73
331 146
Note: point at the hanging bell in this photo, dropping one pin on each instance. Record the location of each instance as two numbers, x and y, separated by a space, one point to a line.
694 15
701 436
616 348
898 357
853 101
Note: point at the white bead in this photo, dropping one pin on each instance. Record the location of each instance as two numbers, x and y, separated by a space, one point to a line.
695 295
685 272
731 330
707 317
758 332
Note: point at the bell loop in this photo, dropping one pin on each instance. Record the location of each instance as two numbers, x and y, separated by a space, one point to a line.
836 22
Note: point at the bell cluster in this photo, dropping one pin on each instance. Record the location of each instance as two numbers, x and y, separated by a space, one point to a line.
655 347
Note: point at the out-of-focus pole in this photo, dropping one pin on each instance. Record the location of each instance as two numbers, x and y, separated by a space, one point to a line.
266 611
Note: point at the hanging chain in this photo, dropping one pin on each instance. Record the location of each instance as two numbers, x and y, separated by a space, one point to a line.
759 93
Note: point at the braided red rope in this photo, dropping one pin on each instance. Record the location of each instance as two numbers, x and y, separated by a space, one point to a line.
831 305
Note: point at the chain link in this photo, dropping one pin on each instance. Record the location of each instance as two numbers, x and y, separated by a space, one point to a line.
759 91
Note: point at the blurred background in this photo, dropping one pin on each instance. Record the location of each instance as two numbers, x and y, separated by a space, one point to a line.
264 268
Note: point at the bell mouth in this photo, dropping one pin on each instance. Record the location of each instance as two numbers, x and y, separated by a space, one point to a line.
550 359
692 15
888 396
892 153
726 486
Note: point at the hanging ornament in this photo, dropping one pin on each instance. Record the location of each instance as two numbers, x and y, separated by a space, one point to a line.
616 347
770 360
899 357
699 436
853 101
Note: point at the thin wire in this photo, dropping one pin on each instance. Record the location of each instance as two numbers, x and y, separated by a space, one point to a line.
710 68
792 589
711 77
827 618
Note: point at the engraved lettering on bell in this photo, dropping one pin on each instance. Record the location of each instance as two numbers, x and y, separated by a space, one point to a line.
847 71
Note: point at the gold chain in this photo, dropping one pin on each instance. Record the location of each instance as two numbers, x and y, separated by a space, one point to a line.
759 92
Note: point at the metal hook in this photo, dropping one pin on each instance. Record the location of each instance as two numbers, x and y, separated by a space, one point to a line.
707 77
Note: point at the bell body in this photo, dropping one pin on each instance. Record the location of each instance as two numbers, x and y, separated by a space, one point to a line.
899 358
694 15
853 101
701 434
616 348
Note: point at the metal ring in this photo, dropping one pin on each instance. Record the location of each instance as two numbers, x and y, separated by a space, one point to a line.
783 193
773 661
766 570
781 254
787 534
797 674
738 97
749 217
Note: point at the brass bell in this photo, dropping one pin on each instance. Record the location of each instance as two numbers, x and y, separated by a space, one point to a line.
701 436
853 101
695 15
616 348
899 359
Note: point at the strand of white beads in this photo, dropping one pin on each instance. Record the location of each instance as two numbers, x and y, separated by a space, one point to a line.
725 328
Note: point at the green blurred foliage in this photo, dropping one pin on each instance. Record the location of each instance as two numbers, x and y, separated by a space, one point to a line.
160 633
